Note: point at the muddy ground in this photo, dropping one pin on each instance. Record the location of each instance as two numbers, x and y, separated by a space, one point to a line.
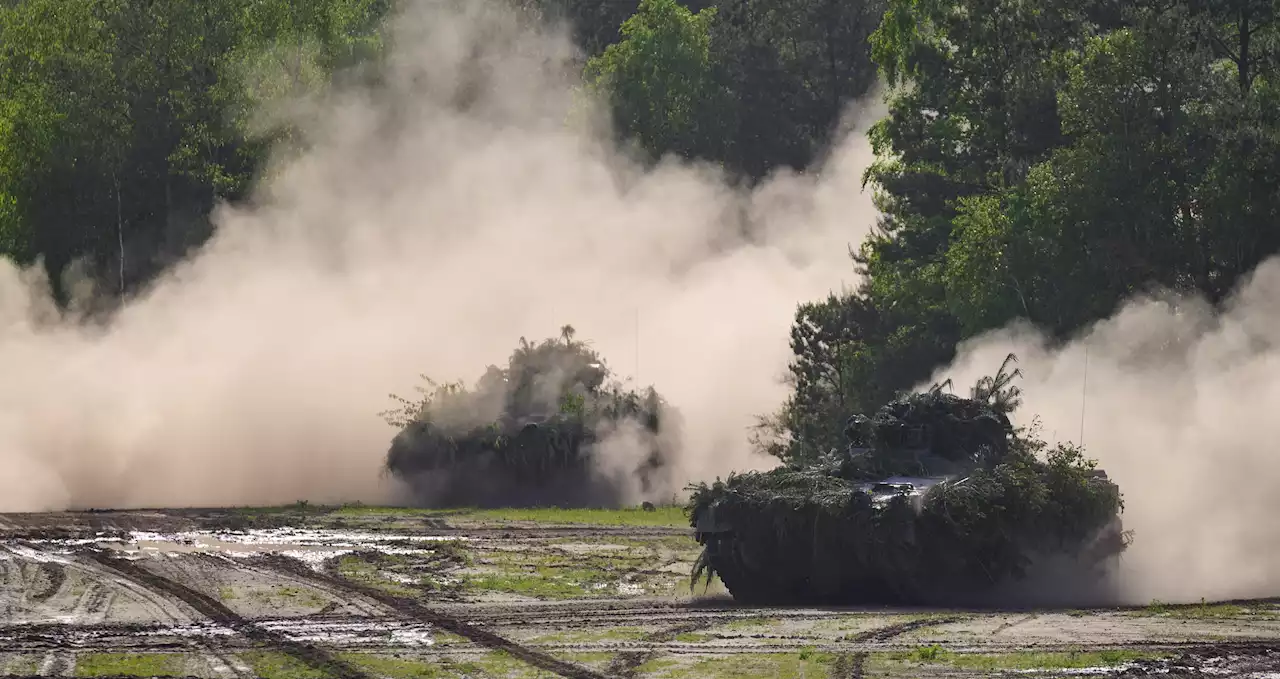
302 592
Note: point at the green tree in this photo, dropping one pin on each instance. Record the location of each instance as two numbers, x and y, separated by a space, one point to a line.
123 121
659 82
1167 180
792 67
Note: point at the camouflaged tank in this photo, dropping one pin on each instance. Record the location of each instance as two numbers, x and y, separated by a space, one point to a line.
934 494
528 433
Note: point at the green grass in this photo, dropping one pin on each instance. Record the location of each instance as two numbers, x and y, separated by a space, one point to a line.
358 508
1205 610
404 668
272 665
557 573
297 595
132 664
1022 660
803 665
588 657
590 636
663 666
661 516
631 516
748 623
503 664
537 585
693 637
443 638
355 567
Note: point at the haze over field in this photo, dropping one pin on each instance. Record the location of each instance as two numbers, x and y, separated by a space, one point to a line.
1179 408
469 200
433 221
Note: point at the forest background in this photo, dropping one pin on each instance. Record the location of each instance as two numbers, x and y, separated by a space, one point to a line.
1039 160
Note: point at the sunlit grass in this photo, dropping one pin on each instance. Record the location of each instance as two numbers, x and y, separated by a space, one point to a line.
128 664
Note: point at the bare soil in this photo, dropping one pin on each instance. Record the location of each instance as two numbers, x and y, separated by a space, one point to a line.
309 593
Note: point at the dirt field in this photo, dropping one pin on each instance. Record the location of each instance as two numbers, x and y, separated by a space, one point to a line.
301 592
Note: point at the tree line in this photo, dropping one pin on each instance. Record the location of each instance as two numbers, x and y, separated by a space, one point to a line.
1043 161
1039 160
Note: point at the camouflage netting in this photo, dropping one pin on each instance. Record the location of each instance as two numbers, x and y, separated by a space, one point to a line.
531 434
840 531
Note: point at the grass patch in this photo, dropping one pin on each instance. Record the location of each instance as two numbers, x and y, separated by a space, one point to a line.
588 657
1023 660
693 637
360 509
367 569
503 664
589 636
407 668
443 638
535 585
272 665
803 665
273 595
298 595
669 516
558 573
131 664
1204 610
748 623
241 518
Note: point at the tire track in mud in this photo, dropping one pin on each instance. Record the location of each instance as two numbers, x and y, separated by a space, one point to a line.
11 572
55 574
309 654
596 613
57 664
226 664
418 611
883 634
93 604
626 663
523 533
96 601
1013 623
849 665
266 565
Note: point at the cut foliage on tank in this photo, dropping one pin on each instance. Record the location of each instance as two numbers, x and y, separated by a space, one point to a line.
935 494
534 433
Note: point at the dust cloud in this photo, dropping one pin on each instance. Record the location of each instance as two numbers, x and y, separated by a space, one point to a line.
1177 401
466 198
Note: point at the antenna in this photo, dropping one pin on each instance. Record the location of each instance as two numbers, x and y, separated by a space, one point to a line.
637 340
1084 391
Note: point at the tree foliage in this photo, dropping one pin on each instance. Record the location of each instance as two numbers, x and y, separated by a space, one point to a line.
123 121
1045 162
658 77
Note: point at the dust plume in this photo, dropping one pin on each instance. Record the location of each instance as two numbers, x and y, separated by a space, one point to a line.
464 199
1177 401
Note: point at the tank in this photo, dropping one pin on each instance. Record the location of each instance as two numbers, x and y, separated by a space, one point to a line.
935 494
530 434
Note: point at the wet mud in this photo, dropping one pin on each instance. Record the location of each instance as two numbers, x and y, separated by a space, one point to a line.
184 583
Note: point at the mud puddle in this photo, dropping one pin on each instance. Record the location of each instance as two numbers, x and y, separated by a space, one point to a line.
349 632
1257 662
309 546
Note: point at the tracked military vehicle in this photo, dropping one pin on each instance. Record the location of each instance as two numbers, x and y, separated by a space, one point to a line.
529 434
934 494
